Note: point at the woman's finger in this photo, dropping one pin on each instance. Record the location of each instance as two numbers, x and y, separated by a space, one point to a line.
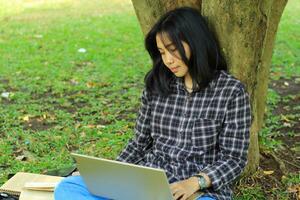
178 195
174 189
184 197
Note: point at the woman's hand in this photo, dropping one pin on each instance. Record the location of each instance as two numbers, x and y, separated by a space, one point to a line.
184 189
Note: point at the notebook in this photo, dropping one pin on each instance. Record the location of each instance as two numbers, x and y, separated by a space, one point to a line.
31 186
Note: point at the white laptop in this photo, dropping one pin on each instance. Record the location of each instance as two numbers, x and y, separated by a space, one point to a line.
122 181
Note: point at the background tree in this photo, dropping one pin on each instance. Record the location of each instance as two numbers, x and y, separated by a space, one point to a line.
246 32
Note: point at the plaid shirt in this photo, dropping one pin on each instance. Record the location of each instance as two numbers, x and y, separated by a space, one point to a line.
188 133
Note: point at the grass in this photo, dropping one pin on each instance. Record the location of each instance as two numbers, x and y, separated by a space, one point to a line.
272 123
286 60
62 101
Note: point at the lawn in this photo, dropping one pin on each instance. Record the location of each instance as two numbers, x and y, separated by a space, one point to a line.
71 74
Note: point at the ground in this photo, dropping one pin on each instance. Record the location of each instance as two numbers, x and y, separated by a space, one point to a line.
278 175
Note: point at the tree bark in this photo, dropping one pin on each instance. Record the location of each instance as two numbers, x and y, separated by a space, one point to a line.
246 33
148 11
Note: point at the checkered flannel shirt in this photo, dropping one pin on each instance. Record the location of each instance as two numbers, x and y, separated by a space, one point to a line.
188 133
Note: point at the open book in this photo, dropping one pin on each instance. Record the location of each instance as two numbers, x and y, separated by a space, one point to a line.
31 186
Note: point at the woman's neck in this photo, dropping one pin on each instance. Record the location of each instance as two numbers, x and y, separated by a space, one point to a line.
188 82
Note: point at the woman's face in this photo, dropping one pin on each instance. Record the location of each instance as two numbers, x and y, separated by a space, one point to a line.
171 56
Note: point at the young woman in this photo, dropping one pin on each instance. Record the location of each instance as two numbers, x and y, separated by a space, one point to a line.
194 119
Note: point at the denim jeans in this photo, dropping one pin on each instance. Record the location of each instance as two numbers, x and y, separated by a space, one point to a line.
75 189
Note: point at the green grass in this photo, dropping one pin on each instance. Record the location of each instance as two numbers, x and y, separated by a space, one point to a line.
249 193
62 101
272 123
286 59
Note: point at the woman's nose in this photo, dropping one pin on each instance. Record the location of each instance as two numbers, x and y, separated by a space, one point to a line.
169 58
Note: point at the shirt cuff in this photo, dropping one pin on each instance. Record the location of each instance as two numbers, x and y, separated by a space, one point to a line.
214 176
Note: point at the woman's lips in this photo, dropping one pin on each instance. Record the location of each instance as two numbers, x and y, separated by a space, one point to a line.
174 69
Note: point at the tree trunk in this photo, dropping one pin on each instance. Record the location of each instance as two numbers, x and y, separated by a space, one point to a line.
246 32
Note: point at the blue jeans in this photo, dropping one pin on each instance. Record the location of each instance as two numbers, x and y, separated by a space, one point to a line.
74 188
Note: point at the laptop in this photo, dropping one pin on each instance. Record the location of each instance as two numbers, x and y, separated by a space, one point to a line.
122 181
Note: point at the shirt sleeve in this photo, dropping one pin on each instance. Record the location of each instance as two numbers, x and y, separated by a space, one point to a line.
135 149
233 142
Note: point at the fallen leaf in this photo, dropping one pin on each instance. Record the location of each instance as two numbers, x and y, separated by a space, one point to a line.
77 125
283 117
52 117
29 156
18 151
74 82
5 95
91 126
100 126
104 84
268 172
21 158
83 134
283 177
82 50
38 36
91 84
285 124
59 127
295 189
26 118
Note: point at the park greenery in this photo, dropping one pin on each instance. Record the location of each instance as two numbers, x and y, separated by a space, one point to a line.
71 75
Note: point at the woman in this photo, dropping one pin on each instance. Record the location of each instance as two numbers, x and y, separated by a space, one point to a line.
194 119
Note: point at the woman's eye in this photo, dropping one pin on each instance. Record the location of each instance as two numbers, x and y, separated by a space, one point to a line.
173 50
162 53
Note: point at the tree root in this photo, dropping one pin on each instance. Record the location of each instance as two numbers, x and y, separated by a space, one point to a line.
290 163
279 161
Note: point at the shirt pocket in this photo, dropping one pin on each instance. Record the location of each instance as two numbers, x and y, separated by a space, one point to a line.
205 133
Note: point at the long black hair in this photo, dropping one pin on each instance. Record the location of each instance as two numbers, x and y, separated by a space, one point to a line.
183 24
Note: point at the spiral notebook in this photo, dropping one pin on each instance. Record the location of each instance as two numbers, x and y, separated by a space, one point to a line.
31 186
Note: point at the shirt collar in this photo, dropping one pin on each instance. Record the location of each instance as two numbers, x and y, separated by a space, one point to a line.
180 83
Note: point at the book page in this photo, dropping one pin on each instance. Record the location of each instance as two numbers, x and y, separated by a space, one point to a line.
36 195
15 184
